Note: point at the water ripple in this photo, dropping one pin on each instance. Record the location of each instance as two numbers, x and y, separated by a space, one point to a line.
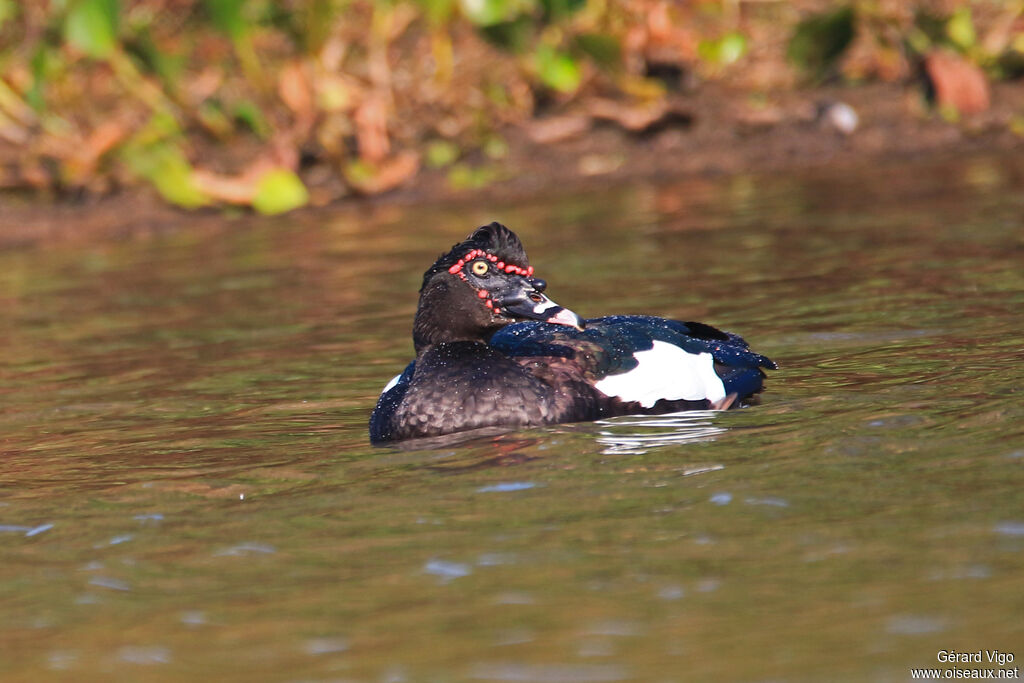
325 646
768 500
505 487
110 582
28 531
549 673
146 656
447 571
246 549
914 625
1010 528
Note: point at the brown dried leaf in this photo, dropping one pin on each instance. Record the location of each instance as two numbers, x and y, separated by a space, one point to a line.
12 132
34 174
659 23
295 89
283 151
638 118
765 116
599 164
233 189
957 82
557 128
80 164
666 37
230 189
204 84
372 129
389 174
102 140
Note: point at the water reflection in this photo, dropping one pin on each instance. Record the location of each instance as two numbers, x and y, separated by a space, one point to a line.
501 446
635 435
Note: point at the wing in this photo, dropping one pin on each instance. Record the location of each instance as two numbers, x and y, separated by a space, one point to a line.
381 419
645 359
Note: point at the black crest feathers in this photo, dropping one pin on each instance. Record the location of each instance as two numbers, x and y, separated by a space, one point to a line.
493 238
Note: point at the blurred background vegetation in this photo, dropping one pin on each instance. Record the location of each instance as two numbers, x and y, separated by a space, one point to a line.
276 103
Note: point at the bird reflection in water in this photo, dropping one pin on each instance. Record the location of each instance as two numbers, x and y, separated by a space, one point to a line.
637 434
628 435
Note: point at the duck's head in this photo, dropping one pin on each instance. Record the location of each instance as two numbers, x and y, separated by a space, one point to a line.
484 283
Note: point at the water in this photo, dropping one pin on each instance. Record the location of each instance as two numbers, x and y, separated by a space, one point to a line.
187 489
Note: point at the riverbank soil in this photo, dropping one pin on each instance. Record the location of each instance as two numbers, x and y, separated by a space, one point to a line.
716 132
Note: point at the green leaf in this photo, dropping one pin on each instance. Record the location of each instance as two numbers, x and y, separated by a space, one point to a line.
278 191
40 64
161 126
8 10
437 11
556 10
495 147
227 16
732 47
441 153
91 26
515 35
918 40
557 70
726 50
819 41
1017 125
359 172
213 118
603 49
249 113
490 12
465 177
165 166
316 19
960 29
932 26
168 65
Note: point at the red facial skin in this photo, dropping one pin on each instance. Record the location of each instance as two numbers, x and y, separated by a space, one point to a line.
456 269
500 265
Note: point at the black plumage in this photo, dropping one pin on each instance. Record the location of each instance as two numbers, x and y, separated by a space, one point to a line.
494 351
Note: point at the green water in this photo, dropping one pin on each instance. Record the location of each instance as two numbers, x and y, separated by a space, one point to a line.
187 491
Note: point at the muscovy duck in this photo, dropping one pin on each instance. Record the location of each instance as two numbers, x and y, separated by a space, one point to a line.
492 350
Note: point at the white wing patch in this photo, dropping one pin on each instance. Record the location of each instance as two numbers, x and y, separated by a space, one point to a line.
391 385
666 372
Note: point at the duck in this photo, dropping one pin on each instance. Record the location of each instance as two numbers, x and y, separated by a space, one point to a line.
494 351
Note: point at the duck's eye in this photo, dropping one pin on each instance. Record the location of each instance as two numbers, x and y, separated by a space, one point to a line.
480 267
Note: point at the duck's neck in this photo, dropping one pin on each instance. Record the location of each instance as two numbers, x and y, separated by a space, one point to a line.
440 325
427 333
449 311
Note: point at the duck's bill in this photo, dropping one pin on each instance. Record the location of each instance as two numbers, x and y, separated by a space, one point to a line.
563 316
539 307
